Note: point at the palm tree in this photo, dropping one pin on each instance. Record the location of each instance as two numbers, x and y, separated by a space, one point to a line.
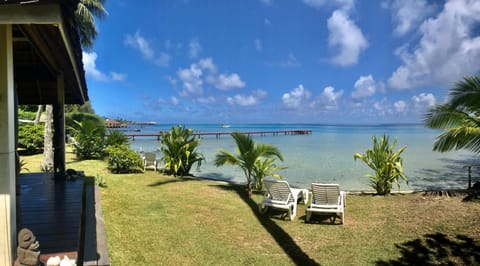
247 154
84 16
86 10
459 118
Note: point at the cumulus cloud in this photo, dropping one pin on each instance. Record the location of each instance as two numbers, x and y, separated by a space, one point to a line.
163 59
346 37
247 100
91 70
267 2
328 99
408 14
205 100
400 106
228 82
203 71
449 48
192 81
296 98
365 86
423 100
194 48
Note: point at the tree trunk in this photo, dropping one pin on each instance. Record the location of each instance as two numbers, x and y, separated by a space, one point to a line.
249 186
39 114
47 163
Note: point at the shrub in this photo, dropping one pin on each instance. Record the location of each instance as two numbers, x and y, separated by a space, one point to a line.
89 140
30 137
70 119
179 148
116 138
122 159
385 162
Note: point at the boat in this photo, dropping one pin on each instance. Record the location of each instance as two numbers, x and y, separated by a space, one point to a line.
224 125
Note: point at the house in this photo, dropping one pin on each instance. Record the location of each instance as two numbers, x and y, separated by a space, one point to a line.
40 63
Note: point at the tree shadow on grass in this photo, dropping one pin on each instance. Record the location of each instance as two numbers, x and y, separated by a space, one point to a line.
437 249
283 239
174 180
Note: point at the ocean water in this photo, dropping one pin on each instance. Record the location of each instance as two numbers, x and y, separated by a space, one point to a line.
327 154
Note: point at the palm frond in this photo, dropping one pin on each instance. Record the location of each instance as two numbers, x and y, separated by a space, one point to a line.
447 116
466 93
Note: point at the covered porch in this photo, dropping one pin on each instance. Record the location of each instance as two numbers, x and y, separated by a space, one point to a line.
41 63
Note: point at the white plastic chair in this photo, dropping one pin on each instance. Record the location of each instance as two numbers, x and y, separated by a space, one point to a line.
280 195
326 198
150 159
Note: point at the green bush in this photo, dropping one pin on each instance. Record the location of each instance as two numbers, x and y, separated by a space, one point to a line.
116 138
27 115
122 159
385 162
70 119
89 140
179 148
30 137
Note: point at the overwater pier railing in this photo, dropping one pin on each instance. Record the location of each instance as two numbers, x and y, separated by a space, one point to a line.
249 133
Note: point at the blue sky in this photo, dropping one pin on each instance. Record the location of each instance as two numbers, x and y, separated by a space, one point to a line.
280 61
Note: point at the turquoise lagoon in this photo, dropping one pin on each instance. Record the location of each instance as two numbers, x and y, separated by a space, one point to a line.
327 154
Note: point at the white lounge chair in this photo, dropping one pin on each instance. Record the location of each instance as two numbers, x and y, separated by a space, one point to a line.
280 195
326 198
150 159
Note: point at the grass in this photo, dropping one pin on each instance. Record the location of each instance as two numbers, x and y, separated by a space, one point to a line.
153 219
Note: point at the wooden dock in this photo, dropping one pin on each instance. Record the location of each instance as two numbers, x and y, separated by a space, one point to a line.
249 133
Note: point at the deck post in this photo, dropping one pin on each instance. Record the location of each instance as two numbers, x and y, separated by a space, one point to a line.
7 149
59 129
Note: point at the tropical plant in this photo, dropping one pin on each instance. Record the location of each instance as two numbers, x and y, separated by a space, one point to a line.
116 138
30 137
179 148
459 118
264 168
247 154
89 140
385 162
84 17
122 159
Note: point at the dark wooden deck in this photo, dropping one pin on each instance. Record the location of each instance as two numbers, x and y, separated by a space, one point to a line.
52 210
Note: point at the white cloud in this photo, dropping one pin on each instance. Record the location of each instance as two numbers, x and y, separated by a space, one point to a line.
423 100
328 99
191 78
194 48
258 45
163 59
400 106
345 36
205 100
447 51
365 86
296 98
91 70
408 14
228 82
267 22
291 61
343 4
208 64
174 100
247 100
140 43
267 2
118 76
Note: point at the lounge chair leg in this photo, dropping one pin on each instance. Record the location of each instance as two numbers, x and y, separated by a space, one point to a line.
309 215
262 209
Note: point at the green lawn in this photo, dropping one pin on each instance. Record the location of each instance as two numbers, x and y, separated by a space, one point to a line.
153 219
